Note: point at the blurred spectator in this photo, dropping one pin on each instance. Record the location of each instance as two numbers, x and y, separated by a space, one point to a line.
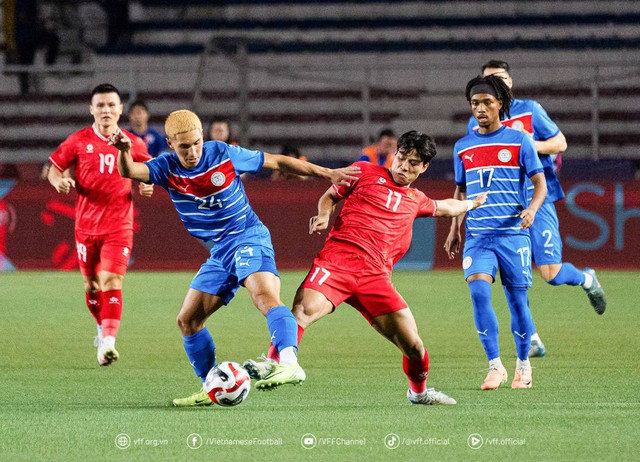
291 151
220 130
383 151
9 172
118 24
30 32
139 126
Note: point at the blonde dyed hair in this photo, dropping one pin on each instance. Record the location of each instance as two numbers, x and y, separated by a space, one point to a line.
181 121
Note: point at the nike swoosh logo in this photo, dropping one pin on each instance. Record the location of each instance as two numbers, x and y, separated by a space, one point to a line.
201 401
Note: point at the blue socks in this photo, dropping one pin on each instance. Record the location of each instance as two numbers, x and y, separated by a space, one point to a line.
485 317
283 327
569 275
201 352
521 320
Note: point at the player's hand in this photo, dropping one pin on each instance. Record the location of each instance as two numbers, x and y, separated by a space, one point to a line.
527 215
65 185
452 244
318 224
145 190
479 200
344 176
120 141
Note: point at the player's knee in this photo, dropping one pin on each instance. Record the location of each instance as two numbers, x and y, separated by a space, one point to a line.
304 313
186 325
112 282
266 300
413 348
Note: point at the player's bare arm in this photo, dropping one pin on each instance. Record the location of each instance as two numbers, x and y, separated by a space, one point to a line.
61 181
553 145
326 207
455 207
539 193
454 239
287 164
126 165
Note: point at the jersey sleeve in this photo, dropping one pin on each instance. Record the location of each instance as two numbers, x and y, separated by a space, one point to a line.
245 160
66 154
344 190
159 170
139 150
458 167
543 127
428 207
529 159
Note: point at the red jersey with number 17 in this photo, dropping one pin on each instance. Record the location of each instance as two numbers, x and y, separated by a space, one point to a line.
378 214
104 202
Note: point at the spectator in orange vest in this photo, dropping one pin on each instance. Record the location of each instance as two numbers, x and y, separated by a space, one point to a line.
383 151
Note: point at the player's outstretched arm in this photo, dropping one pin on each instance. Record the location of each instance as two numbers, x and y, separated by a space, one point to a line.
287 164
127 167
60 180
326 206
455 207
539 194
454 239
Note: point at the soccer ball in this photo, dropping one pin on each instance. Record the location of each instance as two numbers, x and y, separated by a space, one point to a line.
227 384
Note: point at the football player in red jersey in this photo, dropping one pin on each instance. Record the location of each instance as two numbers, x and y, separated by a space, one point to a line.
104 212
372 232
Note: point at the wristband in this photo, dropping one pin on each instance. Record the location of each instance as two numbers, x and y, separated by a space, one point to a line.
469 204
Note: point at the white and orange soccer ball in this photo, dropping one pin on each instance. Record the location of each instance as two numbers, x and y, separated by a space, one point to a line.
227 384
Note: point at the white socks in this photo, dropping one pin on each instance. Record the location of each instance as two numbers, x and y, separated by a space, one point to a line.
99 328
495 363
520 363
536 337
288 355
588 280
108 342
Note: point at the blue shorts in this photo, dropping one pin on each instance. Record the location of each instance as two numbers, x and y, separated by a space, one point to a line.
233 260
546 243
511 254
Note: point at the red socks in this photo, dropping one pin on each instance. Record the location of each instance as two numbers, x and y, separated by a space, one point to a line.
93 300
111 312
417 371
273 351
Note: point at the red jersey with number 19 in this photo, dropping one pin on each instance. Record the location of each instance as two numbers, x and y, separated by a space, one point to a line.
104 202
378 214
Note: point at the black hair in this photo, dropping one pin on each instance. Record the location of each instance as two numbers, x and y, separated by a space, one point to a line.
502 90
386 132
105 88
290 150
496 64
420 142
140 103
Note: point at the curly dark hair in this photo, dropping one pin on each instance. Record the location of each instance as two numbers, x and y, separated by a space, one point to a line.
502 90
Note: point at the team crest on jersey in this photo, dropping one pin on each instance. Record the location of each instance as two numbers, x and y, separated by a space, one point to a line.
466 263
504 155
381 180
89 148
218 179
518 125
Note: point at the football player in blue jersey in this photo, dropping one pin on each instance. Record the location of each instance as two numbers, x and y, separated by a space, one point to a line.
529 117
203 181
497 160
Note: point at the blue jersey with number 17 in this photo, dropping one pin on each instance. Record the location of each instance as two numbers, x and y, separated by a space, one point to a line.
210 198
500 163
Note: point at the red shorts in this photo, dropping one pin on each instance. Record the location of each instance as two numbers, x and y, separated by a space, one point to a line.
104 252
343 273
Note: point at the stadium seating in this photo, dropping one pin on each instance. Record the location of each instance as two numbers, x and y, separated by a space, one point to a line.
309 63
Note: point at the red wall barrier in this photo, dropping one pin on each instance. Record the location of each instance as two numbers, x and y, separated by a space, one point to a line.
600 224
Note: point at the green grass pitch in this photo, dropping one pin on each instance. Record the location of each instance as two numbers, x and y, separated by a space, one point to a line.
57 404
